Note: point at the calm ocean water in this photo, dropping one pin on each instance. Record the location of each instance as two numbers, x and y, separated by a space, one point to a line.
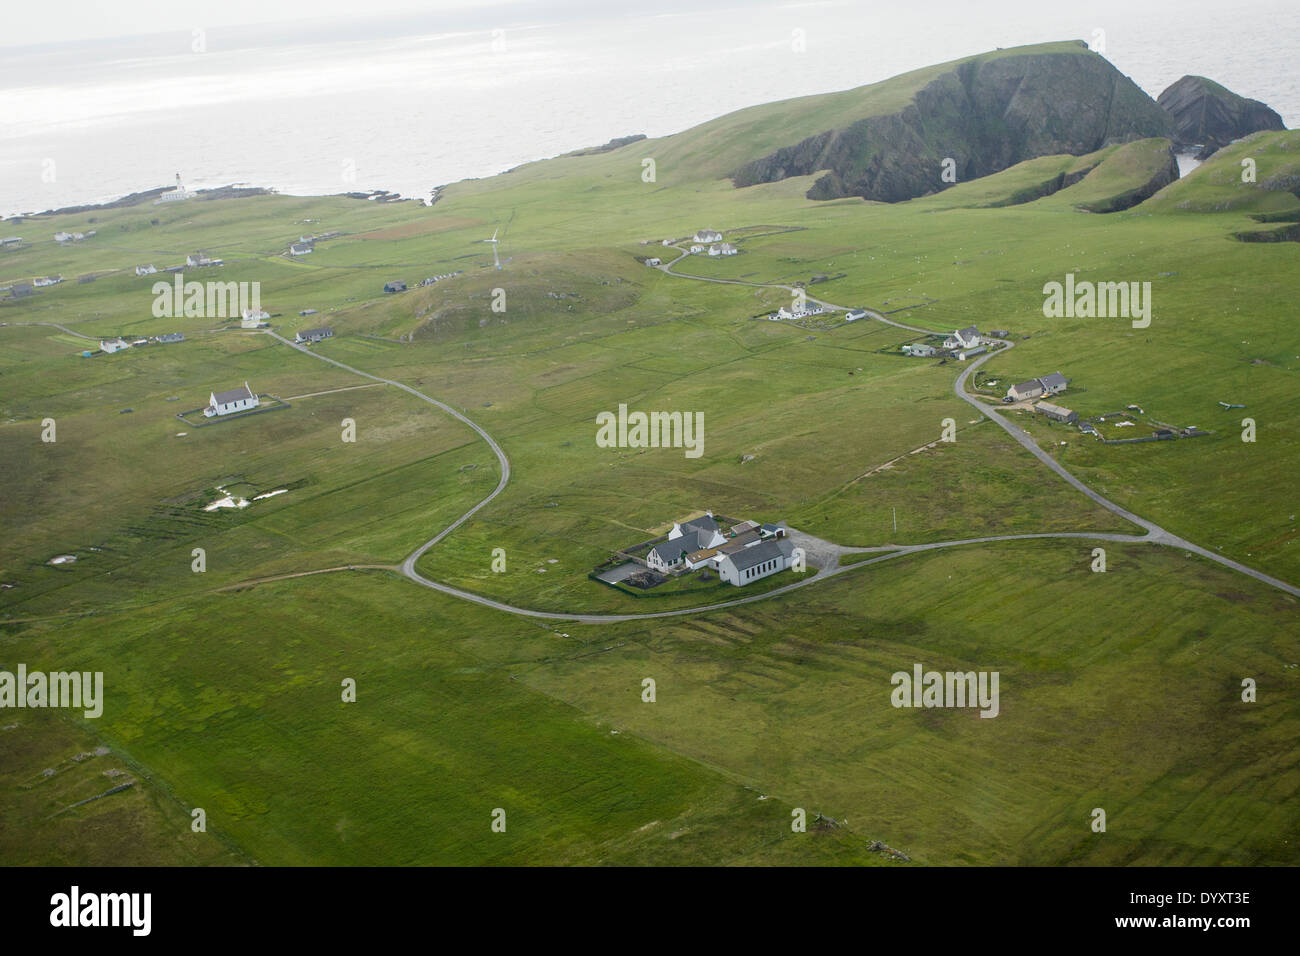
406 104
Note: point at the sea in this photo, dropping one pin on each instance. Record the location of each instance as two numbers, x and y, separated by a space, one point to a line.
414 98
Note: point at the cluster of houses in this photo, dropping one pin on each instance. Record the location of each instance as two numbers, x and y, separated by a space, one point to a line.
62 238
195 260
710 241
745 553
227 403
796 311
109 346
962 344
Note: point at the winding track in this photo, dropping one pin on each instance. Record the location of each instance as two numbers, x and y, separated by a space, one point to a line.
1154 533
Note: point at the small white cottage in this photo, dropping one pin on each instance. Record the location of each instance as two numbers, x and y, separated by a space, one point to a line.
235 400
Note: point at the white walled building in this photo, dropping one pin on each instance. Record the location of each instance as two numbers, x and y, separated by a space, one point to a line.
235 400
753 563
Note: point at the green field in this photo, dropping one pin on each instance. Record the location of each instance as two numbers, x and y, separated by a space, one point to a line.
1120 690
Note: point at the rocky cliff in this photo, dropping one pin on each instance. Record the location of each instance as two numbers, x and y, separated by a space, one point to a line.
1209 115
986 114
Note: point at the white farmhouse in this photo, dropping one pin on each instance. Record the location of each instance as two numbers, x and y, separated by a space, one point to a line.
109 346
145 270
685 539
254 319
967 338
707 235
235 400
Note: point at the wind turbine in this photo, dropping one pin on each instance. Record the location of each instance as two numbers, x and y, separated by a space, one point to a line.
496 259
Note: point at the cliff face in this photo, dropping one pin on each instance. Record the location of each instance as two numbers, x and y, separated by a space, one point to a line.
986 114
1209 115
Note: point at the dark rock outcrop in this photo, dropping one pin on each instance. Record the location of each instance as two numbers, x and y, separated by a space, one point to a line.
1211 116
987 114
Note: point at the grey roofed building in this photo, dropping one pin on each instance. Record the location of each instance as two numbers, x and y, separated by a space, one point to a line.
21 289
300 248
703 523
313 335
1056 413
234 395
770 530
671 551
1023 390
695 535
740 542
171 337
397 285
1054 383
772 548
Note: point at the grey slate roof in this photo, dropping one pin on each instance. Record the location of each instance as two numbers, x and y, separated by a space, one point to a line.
703 523
750 557
744 540
671 551
234 395
1055 380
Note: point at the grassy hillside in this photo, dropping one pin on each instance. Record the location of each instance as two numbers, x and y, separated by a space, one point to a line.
1121 689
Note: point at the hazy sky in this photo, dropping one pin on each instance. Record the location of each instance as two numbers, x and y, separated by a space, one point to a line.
31 23
28 23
